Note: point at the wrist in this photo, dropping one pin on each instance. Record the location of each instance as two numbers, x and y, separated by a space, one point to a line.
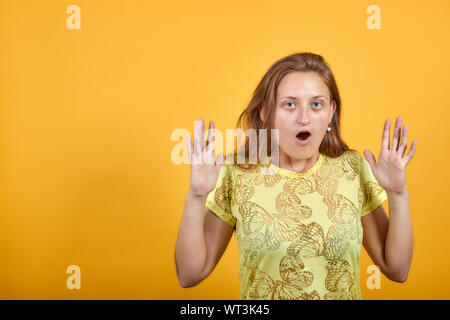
403 193
192 197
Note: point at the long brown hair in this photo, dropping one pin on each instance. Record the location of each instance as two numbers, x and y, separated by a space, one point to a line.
264 96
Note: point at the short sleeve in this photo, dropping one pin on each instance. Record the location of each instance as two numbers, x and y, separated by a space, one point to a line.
219 200
371 194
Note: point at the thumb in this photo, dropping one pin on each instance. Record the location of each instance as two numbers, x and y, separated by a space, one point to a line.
219 161
370 159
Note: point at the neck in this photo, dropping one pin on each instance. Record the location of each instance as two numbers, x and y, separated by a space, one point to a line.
298 165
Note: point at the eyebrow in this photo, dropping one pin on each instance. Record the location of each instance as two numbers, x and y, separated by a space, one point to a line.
295 98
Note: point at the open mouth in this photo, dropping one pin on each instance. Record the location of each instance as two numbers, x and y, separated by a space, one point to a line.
303 137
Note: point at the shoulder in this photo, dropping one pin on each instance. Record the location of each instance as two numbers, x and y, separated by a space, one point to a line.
234 167
351 155
348 163
347 158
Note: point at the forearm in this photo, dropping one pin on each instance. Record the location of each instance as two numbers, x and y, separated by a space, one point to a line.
190 249
399 239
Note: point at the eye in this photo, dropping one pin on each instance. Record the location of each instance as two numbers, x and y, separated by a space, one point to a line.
317 106
287 103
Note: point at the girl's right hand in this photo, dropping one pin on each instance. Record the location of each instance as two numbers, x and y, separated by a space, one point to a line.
204 170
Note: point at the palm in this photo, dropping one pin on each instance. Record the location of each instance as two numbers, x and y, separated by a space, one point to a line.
390 169
203 178
204 170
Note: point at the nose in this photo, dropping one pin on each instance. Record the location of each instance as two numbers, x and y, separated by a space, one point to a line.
303 117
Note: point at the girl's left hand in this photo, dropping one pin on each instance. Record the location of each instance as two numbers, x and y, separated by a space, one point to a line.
390 169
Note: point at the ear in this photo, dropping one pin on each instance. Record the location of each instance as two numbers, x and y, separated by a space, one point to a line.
262 114
333 109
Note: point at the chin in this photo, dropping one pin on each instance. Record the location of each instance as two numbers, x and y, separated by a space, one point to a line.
305 152
302 153
299 152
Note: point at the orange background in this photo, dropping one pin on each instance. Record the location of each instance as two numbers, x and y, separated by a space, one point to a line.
87 117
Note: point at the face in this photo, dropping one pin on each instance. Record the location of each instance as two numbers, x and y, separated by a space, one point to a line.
302 106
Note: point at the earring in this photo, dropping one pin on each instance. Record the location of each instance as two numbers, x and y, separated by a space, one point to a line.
329 129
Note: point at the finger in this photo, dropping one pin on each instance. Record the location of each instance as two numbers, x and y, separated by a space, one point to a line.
402 148
370 159
412 150
210 137
396 137
189 148
197 143
219 161
202 131
209 150
386 132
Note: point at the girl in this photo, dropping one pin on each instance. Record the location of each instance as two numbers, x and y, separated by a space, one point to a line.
299 230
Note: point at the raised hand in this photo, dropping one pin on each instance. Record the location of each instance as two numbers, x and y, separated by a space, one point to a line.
204 169
390 169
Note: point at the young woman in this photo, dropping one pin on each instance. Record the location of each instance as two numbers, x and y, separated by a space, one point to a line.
299 230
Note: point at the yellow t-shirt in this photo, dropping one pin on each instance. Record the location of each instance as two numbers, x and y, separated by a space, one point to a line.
299 235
